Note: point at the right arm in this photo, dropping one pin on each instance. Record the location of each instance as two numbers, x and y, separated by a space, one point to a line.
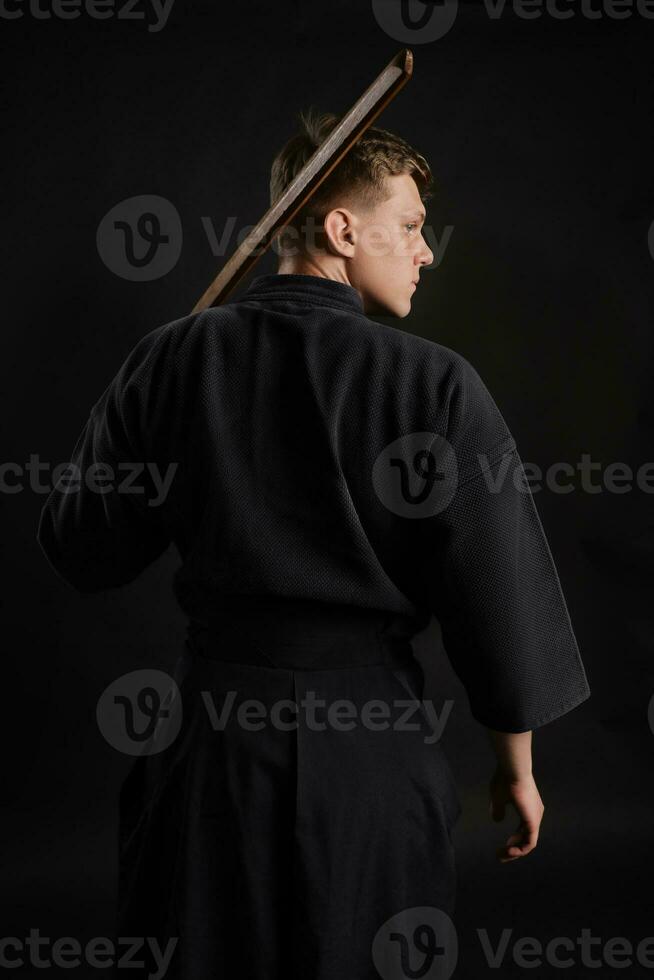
496 593
513 782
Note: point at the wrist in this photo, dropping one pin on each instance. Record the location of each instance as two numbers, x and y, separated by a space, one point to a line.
514 775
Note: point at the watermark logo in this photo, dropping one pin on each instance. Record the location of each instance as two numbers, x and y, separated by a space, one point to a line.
155 12
316 714
377 239
140 713
419 942
416 475
100 478
425 21
99 953
140 239
415 21
563 952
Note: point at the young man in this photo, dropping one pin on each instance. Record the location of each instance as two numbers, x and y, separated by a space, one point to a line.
337 481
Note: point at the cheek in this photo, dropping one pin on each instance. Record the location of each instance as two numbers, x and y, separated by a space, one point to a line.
385 267
380 267
385 248
395 259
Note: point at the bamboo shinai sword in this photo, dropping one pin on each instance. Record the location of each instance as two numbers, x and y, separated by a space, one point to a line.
344 135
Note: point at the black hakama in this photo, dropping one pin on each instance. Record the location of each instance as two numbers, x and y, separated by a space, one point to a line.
299 843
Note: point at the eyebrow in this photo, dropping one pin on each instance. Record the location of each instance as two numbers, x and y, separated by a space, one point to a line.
414 214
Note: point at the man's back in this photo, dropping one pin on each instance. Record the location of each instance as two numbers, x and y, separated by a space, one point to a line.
316 454
292 395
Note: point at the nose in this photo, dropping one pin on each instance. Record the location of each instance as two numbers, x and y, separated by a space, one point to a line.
425 256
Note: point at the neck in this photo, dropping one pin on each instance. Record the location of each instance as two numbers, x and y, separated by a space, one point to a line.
324 266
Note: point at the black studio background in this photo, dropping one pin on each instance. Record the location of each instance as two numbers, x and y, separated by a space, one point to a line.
539 133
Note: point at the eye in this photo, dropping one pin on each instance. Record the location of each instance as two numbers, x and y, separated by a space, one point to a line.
412 225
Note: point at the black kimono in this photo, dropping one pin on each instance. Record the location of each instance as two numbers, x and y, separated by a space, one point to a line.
336 481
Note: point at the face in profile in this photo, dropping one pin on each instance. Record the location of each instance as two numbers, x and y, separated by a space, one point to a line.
388 249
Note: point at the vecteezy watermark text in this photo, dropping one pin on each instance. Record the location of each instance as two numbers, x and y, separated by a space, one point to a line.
341 714
425 21
140 238
98 478
528 952
426 938
419 474
66 953
156 12
140 713
565 477
407 475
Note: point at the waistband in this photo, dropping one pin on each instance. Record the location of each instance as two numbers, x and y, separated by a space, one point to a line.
301 635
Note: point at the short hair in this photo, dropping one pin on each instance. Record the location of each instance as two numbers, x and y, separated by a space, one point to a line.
359 178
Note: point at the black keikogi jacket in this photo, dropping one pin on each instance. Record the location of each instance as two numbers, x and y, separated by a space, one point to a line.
289 446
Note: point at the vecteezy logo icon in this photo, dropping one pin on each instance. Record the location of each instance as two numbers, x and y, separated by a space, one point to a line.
415 21
416 475
140 713
140 239
416 944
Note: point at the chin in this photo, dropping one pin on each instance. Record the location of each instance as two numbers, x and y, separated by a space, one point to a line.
384 308
401 310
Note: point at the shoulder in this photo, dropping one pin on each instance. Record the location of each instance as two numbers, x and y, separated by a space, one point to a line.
420 352
179 341
437 369
477 429
152 356
452 397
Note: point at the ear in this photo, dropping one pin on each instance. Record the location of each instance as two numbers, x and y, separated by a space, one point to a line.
340 232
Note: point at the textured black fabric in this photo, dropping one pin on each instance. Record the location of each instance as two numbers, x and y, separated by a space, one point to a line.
275 408
271 852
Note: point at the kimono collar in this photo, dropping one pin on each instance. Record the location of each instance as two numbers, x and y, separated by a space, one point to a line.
316 290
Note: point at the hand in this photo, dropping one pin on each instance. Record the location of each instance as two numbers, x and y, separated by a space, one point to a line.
523 794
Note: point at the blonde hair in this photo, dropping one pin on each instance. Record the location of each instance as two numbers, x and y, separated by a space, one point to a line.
359 178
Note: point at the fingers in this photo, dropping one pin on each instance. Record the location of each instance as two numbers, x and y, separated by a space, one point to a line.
519 844
525 799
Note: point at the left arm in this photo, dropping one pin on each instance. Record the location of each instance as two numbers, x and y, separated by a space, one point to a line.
98 528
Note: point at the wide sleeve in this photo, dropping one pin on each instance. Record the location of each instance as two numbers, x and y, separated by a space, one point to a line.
494 586
105 519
